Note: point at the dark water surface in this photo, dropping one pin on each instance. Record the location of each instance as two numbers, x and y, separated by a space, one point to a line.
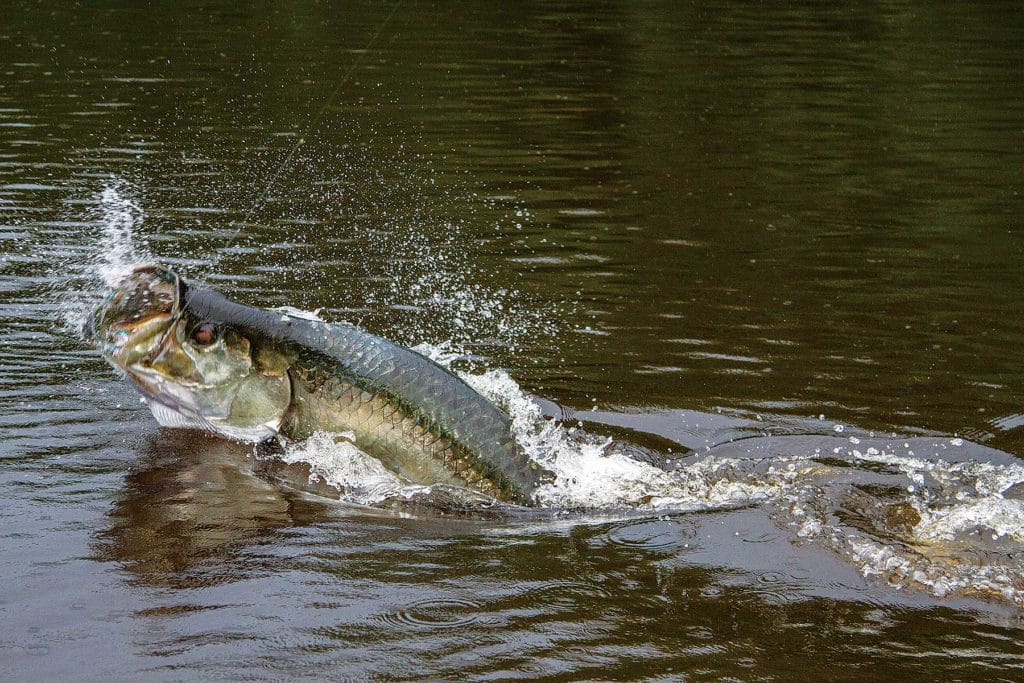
706 220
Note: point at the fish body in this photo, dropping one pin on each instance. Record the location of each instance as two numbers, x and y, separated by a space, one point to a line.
203 361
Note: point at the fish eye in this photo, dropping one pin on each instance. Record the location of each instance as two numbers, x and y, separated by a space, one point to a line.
205 334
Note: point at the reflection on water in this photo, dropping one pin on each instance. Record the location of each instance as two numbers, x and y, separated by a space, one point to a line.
688 224
190 502
388 595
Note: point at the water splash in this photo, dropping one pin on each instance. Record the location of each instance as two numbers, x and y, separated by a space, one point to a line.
946 522
591 473
594 473
387 241
947 526
925 522
118 250
115 250
334 460
443 291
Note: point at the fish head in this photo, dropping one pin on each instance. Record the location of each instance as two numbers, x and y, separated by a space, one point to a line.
192 372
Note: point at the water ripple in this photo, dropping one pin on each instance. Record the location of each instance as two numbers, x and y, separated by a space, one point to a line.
663 535
439 613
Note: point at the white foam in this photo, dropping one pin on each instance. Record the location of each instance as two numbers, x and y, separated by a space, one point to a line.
965 540
941 573
995 515
590 473
334 460
593 473
984 478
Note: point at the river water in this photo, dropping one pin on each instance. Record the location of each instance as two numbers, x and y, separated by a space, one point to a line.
748 275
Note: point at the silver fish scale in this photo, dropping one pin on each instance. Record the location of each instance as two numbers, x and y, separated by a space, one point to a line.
444 403
430 396
388 431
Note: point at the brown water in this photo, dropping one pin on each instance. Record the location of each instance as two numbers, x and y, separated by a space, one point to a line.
724 229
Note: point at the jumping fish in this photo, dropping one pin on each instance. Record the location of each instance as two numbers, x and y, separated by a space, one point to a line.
202 361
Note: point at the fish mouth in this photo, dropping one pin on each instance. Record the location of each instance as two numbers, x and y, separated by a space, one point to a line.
147 300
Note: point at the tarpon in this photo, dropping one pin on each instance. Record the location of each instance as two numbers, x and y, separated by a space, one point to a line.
202 361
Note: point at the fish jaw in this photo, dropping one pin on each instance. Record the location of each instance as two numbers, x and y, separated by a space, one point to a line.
135 319
171 418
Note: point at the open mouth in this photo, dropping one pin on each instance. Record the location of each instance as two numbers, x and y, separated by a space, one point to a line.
149 293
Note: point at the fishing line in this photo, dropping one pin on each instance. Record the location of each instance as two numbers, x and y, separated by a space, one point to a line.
305 133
